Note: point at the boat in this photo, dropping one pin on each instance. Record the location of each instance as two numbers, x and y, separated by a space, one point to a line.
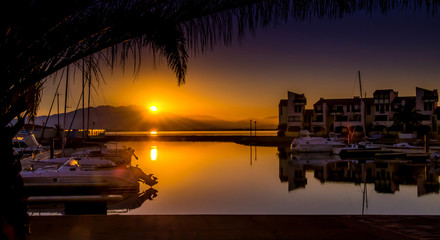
359 150
314 145
84 175
405 145
25 142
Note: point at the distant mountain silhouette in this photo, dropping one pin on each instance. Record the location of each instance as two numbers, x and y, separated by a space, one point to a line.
137 118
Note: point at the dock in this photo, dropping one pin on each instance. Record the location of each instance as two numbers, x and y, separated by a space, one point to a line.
245 140
235 227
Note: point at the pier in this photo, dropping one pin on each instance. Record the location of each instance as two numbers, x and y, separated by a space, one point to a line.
246 140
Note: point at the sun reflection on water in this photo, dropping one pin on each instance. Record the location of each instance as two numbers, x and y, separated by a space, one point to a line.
153 153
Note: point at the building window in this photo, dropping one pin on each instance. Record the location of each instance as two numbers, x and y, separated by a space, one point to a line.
355 108
381 118
348 108
341 118
382 108
387 107
427 106
298 108
280 110
294 119
318 108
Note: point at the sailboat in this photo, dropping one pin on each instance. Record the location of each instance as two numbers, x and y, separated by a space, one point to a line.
363 149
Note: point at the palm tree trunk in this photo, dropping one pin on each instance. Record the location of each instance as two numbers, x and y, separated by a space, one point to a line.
13 209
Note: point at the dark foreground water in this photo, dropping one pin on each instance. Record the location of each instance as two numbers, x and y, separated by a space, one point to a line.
228 178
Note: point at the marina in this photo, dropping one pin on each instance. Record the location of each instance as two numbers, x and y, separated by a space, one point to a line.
271 180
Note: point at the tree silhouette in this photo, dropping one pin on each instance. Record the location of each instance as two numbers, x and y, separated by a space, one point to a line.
39 38
407 116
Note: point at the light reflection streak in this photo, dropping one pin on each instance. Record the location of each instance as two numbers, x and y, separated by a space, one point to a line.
153 153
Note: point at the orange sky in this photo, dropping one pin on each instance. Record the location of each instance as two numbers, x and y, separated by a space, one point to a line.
319 58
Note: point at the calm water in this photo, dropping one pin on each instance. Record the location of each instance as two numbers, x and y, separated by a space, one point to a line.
193 133
227 178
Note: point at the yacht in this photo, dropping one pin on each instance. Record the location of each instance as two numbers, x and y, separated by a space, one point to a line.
306 143
361 149
83 175
25 142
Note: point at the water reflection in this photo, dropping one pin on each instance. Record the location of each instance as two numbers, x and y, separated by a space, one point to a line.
126 201
386 175
153 153
250 154
217 178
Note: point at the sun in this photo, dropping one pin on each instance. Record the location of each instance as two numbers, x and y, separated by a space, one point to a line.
153 108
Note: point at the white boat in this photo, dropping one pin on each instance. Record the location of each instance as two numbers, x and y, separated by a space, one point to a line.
85 175
26 143
357 147
405 145
310 144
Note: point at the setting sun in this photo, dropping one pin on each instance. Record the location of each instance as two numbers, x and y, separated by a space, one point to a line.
153 108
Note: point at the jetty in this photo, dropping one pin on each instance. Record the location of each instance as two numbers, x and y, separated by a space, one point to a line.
245 140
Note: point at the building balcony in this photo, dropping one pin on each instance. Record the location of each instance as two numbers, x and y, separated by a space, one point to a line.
336 112
383 123
432 98
320 124
348 124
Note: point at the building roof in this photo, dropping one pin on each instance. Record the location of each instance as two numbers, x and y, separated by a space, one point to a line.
283 102
383 91
340 101
298 97
406 99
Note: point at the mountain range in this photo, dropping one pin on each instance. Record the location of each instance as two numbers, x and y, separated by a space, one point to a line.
137 118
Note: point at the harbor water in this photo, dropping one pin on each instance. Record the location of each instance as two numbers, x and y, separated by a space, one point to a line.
229 178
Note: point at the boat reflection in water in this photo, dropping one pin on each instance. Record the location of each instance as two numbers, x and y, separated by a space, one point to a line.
386 175
119 203
88 185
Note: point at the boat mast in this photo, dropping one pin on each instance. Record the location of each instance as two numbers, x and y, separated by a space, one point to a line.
65 109
83 110
362 103
88 102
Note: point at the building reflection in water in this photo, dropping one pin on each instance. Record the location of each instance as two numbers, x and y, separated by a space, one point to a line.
386 175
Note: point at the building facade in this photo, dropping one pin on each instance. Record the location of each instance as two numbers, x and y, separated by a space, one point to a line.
355 116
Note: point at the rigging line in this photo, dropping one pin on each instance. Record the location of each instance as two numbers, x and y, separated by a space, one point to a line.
354 86
48 115
74 115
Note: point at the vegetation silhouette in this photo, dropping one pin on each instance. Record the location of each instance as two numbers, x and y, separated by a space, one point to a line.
407 117
40 38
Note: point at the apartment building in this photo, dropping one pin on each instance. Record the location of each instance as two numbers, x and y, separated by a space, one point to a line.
355 115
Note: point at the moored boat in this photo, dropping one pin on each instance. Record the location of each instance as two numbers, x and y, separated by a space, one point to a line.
359 150
85 176
308 144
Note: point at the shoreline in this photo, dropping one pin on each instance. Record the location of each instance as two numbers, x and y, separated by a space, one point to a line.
245 140
235 227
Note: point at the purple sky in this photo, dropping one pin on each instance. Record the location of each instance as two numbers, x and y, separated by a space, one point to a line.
319 58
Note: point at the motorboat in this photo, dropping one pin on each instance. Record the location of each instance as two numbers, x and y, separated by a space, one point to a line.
83 175
25 142
405 145
314 145
359 150
120 157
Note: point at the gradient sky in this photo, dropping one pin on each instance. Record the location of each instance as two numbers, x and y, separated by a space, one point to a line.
319 58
